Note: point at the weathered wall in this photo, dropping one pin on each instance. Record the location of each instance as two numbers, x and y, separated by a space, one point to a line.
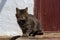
48 13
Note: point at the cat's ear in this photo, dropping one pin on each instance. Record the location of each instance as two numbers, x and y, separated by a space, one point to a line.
26 8
17 10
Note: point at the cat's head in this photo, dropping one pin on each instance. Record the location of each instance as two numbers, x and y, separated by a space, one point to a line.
21 14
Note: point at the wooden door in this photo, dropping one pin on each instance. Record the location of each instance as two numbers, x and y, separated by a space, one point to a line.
48 14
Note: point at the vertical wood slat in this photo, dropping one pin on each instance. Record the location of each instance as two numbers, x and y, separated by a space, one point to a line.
47 11
37 8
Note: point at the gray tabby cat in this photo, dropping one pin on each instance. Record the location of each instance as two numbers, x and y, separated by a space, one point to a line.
28 23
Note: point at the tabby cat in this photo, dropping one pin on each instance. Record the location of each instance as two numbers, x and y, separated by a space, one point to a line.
28 23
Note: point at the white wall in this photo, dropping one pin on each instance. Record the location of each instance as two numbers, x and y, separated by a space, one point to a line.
8 22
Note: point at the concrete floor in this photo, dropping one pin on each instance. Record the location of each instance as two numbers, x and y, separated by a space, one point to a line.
46 36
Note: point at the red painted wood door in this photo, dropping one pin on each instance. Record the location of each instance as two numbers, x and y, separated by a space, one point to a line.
48 13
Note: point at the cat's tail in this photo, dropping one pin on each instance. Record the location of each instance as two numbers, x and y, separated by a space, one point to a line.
15 37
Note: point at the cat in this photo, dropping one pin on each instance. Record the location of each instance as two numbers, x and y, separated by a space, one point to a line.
28 23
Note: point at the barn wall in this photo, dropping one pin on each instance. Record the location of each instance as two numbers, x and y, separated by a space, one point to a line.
48 13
